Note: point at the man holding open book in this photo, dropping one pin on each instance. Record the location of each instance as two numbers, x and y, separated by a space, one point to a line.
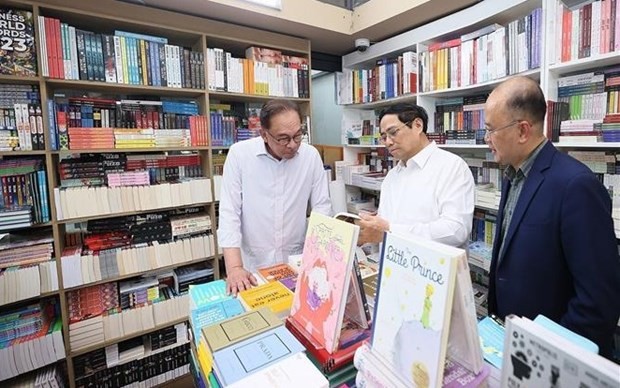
268 183
429 194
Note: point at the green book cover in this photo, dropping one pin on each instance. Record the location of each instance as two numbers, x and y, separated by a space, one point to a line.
237 328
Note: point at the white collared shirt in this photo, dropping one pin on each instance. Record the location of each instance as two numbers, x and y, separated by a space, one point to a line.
264 201
431 196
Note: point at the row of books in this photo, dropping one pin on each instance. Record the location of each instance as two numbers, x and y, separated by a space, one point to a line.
91 169
117 324
79 269
21 127
24 282
31 337
76 202
50 376
127 58
389 78
23 186
98 112
150 371
265 72
490 53
584 31
460 113
26 248
134 349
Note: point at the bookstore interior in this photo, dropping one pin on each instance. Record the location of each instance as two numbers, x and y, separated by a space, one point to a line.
116 120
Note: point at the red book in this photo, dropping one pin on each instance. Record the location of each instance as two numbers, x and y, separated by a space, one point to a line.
329 362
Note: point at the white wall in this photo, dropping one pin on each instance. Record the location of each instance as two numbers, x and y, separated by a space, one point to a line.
326 114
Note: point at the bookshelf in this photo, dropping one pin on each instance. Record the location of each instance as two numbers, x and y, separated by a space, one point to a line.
442 44
197 36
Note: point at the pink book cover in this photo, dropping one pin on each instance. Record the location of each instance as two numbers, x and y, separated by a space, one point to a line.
324 276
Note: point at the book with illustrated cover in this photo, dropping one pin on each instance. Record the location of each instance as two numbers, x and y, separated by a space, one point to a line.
18 54
535 356
324 279
277 272
413 307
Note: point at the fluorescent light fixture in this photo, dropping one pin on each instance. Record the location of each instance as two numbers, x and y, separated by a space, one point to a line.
276 4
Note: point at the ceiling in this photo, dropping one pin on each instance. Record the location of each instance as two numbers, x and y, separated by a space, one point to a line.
322 39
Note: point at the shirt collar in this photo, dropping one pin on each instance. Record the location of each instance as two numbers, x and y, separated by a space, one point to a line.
421 158
527 164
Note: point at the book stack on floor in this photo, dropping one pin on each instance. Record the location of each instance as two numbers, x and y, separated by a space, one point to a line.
424 326
330 314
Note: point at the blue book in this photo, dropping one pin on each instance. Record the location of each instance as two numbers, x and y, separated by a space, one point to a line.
255 353
213 312
564 332
492 341
202 294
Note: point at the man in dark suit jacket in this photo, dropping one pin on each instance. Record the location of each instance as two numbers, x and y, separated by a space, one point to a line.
555 251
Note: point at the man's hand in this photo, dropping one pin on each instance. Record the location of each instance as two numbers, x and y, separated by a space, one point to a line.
371 229
238 279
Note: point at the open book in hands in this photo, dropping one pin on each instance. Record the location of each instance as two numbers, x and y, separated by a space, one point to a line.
347 217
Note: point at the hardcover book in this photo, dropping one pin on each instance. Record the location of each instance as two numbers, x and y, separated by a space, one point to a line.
18 52
413 307
324 278
254 353
238 328
535 356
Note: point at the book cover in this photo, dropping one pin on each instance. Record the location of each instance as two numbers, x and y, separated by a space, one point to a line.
277 272
324 276
273 295
491 334
413 307
535 356
18 55
213 312
255 353
292 371
237 328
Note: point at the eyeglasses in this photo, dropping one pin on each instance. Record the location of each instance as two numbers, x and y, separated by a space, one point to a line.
285 140
392 132
488 132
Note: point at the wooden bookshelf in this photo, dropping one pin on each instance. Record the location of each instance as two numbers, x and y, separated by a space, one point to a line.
186 31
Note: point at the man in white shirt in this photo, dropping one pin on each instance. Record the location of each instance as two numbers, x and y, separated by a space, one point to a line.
430 192
268 184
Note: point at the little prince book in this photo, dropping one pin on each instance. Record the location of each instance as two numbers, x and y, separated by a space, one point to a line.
413 307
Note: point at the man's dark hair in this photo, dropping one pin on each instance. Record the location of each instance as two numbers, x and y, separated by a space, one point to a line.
406 113
529 102
275 107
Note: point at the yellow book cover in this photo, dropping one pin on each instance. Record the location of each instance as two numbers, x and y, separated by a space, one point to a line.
205 358
237 328
273 295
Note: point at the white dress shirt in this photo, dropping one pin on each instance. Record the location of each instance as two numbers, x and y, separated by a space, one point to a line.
431 196
264 201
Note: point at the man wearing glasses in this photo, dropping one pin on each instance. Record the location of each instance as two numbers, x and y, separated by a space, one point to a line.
267 185
555 251
430 192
